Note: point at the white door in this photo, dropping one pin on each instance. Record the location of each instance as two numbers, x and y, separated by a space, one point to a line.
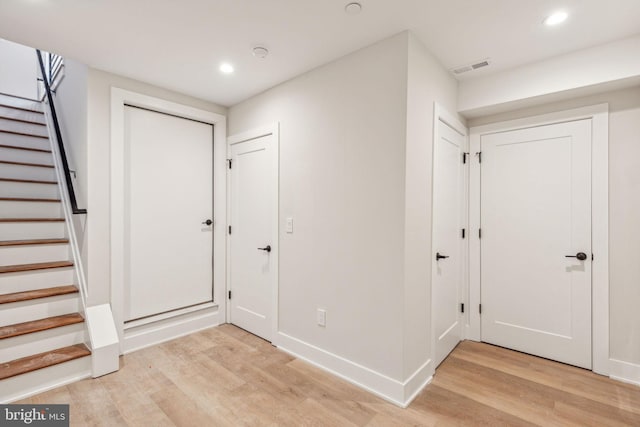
169 178
253 238
536 241
448 193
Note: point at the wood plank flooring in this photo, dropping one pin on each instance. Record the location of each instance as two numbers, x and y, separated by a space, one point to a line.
227 377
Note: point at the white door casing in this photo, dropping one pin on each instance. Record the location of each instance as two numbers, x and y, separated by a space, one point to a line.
598 115
253 241
449 219
169 178
154 329
536 211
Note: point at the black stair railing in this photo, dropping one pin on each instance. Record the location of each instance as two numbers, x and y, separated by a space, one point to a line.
56 127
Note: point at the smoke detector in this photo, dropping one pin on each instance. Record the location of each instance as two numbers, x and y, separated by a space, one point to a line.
260 52
471 67
353 8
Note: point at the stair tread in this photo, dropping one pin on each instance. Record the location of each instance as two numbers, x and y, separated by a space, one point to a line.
27 199
35 266
12 132
40 325
15 119
28 110
32 242
27 181
42 360
39 165
16 147
37 294
31 219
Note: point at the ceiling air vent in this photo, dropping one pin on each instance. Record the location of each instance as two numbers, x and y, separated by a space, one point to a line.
470 67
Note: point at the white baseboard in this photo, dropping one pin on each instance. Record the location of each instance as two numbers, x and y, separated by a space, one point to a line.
394 391
168 329
624 371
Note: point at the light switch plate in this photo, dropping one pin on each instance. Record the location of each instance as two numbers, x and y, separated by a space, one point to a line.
289 226
321 317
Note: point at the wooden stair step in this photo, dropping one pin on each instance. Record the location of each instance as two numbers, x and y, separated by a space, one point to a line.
15 119
27 181
37 165
35 266
42 360
31 219
37 294
15 147
39 325
28 110
33 242
28 199
23 134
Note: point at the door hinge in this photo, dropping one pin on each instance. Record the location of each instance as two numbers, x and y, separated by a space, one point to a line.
461 307
591 257
229 162
229 294
464 158
479 233
480 308
229 229
479 154
464 233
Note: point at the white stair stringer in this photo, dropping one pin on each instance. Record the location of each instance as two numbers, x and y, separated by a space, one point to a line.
29 384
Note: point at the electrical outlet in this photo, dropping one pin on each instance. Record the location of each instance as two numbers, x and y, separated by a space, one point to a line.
321 317
289 225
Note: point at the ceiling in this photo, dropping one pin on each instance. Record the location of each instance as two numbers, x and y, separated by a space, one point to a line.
179 44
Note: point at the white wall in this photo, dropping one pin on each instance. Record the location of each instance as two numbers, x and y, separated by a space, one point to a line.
428 82
18 70
342 158
98 168
585 70
624 211
70 101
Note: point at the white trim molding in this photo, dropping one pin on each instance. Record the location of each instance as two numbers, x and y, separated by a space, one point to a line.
397 392
274 130
182 323
624 371
599 115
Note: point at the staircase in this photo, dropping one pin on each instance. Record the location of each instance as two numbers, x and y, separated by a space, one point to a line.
42 330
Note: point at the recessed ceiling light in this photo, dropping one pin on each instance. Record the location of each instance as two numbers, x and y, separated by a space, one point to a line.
353 8
556 18
260 52
226 68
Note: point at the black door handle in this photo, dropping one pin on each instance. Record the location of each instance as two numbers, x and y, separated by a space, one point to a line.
267 248
439 257
580 255
207 222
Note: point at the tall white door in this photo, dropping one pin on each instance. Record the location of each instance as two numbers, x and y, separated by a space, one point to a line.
169 178
253 239
448 193
536 241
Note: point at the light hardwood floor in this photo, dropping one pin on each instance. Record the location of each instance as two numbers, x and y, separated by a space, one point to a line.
226 376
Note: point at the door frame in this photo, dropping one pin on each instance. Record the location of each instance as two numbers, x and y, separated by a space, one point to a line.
170 325
599 115
441 114
274 130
